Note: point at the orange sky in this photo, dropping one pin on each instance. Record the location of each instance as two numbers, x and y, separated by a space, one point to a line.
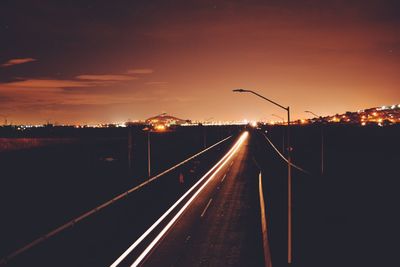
89 62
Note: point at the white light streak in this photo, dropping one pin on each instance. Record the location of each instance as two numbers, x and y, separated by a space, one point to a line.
166 228
222 162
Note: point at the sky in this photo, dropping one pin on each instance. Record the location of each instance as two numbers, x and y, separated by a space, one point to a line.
111 61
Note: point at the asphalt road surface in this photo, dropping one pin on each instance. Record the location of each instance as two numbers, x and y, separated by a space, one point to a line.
216 224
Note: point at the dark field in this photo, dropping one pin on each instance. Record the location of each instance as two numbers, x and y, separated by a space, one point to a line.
45 187
346 217
349 215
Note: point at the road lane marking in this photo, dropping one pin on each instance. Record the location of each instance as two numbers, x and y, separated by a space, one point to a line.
231 164
267 252
205 209
223 178
179 213
255 162
217 166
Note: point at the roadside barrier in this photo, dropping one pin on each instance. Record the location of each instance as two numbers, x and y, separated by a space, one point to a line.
283 157
102 206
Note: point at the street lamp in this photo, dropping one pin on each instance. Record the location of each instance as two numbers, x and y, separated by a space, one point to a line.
317 116
322 141
159 128
289 167
5 118
148 130
130 147
283 135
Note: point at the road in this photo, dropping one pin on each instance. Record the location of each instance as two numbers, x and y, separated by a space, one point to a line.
217 222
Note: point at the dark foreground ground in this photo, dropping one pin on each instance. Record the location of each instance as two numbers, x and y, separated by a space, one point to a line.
44 187
346 217
349 215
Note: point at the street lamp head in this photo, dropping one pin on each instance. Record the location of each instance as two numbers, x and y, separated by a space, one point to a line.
316 115
239 90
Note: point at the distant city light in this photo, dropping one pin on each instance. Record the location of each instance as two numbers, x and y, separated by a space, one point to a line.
335 119
384 115
160 127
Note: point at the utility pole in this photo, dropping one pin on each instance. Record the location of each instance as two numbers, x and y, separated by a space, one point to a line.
204 137
130 148
148 154
283 132
322 139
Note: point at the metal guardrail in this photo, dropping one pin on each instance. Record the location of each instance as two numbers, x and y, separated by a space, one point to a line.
283 157
102 206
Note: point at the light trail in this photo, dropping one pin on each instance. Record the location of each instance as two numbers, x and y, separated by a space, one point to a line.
168 226
102 206
221 164
264 225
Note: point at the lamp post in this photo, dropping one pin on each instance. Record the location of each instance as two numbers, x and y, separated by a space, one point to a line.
289 167
130 146
148 131
205 132
322 141
161 128
148 154
283 135
5 119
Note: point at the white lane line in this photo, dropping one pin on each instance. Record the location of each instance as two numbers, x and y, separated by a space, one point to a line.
205 209
231 164
223 178
264 225
148 231
179 213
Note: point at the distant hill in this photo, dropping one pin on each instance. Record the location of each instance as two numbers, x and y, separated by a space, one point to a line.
165 119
